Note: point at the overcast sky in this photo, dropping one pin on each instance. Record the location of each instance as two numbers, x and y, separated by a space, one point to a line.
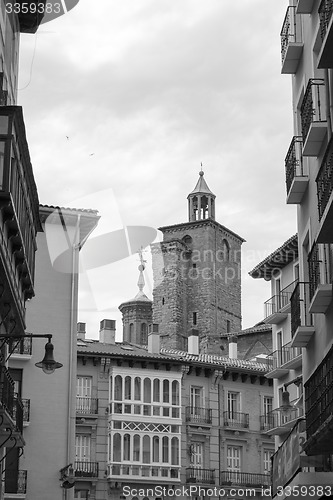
146 90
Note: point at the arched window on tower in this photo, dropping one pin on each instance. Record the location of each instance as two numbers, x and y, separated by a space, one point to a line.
225 250
131 333
144 335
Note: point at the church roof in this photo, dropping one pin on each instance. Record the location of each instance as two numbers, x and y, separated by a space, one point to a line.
201 186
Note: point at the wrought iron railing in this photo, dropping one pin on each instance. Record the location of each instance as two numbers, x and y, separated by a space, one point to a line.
282 356
196 475
228 478
86 469
194 414
325 12
318 397
313 105
324 179
6 390
236 419
291 31
278 418
294 161
276 303
300 300
86 405
320 261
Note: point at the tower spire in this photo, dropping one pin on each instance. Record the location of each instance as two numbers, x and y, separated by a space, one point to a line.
201 201
141 268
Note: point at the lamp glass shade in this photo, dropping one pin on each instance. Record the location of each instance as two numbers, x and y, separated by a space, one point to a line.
48 363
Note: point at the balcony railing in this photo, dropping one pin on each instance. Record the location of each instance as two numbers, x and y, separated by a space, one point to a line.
313 105
134 472
291 41
276 304
284 357
195 475
230 478
325 12
16 483
319 404
86 405
277 419
324 180
86 469
301 319
294 161
6 390
236 419
320 267
18 413
196 415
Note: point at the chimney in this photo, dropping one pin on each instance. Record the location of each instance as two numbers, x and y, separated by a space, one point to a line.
81 331
107 331
232 339
193 342
153 339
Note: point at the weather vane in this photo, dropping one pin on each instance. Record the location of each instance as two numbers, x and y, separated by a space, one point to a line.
141 267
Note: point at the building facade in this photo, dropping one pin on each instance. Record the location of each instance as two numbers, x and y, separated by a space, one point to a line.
49 402
152 421
306 48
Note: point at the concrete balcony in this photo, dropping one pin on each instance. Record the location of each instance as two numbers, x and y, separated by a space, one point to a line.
277 307
235 478
302 327
276 423
325 11
324 181
304 6
282 360
203 476
297 178
320 278
195 415
291 41
313 117
235 420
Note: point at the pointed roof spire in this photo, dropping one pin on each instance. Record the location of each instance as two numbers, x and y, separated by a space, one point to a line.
141 281
201 186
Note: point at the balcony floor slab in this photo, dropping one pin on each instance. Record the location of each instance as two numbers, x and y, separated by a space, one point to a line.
321 299
314 139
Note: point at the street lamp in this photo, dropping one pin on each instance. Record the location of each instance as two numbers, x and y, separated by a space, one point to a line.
48 363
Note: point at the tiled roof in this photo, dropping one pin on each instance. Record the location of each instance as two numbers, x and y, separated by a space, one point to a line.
130 351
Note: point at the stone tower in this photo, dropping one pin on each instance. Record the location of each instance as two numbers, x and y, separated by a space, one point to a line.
137 313
197 276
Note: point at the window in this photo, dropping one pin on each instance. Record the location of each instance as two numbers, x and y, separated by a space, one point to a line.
144 335
81 494
82 448
131 333
196 399
268 404
197 455
233 404
83 394
225 250
267 461
234 458
228 326
195 315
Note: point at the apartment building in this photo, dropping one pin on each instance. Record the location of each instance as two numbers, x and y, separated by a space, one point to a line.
307 55
48 402
149 418
19 223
